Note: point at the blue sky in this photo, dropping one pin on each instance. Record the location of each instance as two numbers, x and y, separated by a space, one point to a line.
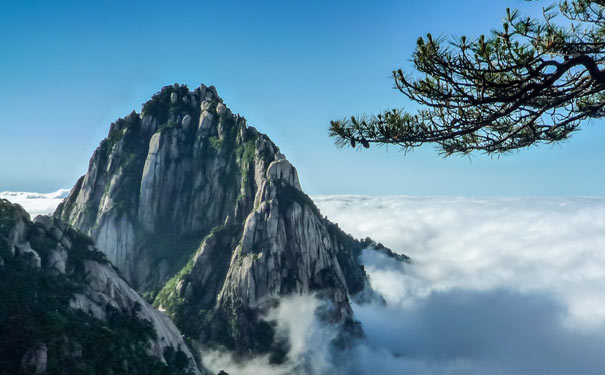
70 68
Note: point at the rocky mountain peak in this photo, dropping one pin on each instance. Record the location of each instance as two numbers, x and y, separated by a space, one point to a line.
206 216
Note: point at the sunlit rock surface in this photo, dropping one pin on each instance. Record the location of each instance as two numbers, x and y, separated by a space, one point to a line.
210 221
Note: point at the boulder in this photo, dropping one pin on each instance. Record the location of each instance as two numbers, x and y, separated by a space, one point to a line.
281 169
45 220
186 121
205 120
220 109
57 259
24 250
206 105
56 233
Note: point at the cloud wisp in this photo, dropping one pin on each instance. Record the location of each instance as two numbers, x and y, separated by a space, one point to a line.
309 343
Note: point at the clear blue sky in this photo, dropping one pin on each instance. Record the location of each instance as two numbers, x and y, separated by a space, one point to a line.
69 68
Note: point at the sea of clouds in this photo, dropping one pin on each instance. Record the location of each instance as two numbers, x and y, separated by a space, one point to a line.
36 203
496 286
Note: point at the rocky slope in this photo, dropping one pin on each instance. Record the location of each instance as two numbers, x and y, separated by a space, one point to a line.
64 309
204 214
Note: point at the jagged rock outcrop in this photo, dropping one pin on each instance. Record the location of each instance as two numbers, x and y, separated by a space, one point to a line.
62 301
188 201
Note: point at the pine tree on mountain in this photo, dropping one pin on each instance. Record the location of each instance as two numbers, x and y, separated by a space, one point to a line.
534 81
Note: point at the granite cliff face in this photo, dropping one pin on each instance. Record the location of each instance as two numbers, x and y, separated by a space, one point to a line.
204 215
65 309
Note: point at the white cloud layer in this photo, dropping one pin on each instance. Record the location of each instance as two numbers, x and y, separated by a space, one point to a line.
36 203
530 245
497 286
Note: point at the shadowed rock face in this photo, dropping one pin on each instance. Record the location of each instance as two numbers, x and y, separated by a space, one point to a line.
51 274
206 215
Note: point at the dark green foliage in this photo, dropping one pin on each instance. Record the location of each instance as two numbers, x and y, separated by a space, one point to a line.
34 309
242 331
176 249
81 250
535 80
7 221
225 148
176 358
348 258
377 246
245 154
288 194
150 296
7 211
5 252
229 135
160 106
215 143
172 303
131 163
39 241
192 314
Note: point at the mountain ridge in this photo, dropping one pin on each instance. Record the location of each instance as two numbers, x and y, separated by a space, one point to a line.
207 218
65 308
